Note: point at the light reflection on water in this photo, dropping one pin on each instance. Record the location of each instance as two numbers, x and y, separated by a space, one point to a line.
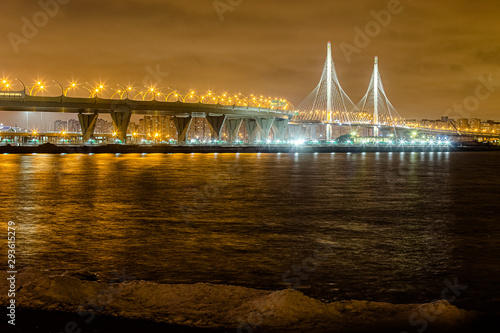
398 224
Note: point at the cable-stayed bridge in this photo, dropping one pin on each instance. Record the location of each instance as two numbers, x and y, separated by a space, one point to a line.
377 106
328 103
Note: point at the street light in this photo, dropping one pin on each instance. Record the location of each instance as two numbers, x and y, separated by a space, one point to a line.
191 94
119 92
39 85
141 93
5 84
152 91
125 90
95 89
64 92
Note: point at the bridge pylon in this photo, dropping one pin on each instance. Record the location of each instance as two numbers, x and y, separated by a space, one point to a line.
328 102
121 120
233 127
253 129
280 127
87 124
182 125
216 122
265 125
376 103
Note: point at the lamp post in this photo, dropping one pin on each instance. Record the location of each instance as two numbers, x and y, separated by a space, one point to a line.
5 85
126 90
139 93
95 89
119 92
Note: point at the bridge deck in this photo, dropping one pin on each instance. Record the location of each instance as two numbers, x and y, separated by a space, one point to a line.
100 105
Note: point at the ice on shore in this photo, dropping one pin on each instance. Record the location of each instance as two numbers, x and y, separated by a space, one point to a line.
223 306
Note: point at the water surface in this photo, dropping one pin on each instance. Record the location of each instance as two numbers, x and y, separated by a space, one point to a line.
372 226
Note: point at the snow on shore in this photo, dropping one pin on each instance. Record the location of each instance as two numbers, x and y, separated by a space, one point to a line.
222 306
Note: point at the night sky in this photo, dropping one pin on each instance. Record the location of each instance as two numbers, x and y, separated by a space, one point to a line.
432 53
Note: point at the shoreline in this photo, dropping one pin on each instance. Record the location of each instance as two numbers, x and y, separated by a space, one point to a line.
232 149
51 303
36 321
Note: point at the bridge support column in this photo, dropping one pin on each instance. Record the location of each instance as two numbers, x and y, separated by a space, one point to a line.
121 120
279 128
253 129
312 132
216 123
296 132
329 132
182 125
87 123
233 127
265 125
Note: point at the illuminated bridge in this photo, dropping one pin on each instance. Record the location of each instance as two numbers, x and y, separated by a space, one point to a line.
329 105
259 114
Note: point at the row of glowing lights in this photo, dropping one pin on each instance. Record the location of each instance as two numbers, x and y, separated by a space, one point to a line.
392 141
450 128
153 93
157 136
401 121
359 115
134 134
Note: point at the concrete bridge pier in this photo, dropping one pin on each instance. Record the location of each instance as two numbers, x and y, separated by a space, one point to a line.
279 129
312 132
182 125
253 129
87 123
296 132
121 120
233 127
265 125
329 132
216 122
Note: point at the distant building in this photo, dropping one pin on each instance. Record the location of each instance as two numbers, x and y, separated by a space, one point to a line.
463 123
159 127
428 122
494 125
486 127
199 130
475 123
60 125
132 128
74 126
103 127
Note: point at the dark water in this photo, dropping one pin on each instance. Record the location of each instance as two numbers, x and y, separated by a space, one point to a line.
383 226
